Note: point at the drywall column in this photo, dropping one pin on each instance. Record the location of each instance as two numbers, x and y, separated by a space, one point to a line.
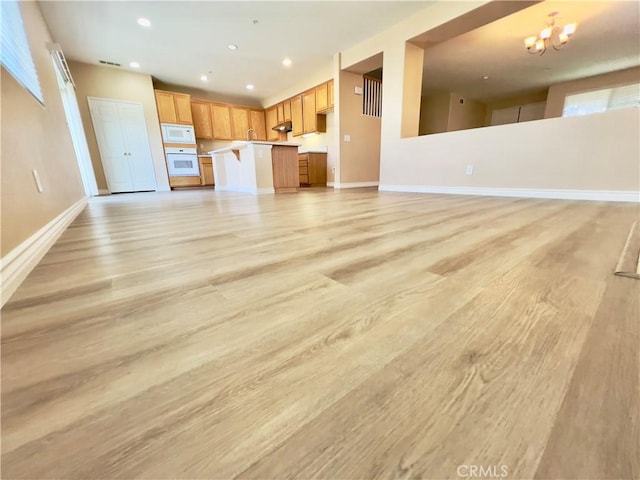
411 90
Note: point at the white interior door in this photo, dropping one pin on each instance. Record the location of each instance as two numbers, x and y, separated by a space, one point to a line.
135 133
123 143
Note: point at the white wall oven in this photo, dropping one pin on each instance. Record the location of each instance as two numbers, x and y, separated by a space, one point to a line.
182 162
178 133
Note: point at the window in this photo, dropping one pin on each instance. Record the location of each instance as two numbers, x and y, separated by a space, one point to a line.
595 101
15 54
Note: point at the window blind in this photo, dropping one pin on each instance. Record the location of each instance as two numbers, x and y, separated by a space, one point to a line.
586 103
15 54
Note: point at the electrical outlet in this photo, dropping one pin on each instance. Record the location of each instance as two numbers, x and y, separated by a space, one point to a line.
333 170
36 177
469 170
347 138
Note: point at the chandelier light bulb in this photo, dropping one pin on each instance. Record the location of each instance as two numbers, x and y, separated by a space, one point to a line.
540 45
530 41
569 29
546 33
563 37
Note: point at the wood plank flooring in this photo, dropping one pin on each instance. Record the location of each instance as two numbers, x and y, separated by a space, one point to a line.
334 335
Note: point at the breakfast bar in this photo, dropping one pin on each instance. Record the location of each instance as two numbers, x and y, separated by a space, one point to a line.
257 167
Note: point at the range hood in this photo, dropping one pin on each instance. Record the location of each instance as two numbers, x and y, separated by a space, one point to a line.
283 127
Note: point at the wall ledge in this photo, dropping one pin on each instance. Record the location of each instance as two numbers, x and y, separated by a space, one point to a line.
19 262
596 195
354 184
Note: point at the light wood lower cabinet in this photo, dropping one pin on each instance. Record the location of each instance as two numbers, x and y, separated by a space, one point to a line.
312 169
206 171
285 168
184 181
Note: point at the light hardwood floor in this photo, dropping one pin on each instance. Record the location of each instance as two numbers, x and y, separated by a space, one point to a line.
334 335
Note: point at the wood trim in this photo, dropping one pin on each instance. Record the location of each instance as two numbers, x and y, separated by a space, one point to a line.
180 145
19 262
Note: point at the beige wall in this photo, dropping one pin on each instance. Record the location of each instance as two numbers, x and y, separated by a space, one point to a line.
594 152
463 116
557 93
360 157
118 84
434 113
37 138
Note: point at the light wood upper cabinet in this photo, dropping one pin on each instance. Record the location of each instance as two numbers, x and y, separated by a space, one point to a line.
166 107
296 116
287 110
312 122
240 122
271 120
330 103
201 114
257 122
173 107
322 98
221 116
183 108
280 112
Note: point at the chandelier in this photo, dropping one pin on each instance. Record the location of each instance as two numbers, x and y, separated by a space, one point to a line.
550 36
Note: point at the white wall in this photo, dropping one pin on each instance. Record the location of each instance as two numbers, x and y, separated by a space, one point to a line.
594 153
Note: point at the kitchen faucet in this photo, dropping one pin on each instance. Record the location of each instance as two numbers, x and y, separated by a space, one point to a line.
255 134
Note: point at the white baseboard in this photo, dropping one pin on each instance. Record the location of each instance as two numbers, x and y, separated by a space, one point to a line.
331 184
597 195
18 263
253 191
355 185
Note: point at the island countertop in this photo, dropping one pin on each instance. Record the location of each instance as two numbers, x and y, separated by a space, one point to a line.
237 145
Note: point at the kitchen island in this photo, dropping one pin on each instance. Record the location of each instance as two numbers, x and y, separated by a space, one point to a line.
257 167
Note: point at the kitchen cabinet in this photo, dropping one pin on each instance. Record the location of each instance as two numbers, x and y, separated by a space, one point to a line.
240 123
312 122
271 120
257 123
280 112
312 169
286 106
201 114
173 107
322 98
206 171
191 181
221 117
297 120
330 103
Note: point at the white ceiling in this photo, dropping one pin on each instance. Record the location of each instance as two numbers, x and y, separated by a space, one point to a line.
189 39
607 39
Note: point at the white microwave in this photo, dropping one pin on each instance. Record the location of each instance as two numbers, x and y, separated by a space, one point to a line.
178 133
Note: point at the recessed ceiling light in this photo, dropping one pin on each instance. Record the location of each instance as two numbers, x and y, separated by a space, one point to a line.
144 22
231 46
486 77
287 62
250 87
134 64
204 78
